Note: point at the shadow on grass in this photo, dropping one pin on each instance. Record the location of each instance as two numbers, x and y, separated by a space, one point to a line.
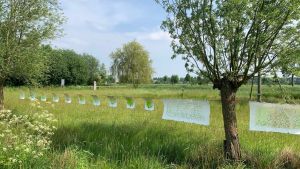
122 142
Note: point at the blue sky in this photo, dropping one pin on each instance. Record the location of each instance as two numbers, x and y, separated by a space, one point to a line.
98 27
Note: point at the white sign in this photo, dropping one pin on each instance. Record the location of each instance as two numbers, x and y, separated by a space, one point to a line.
55 98
22 95
95 85
32 96
62 83
68 99
43 98
130 104
190 111
282 118
112 102
96 100
149 104
81 99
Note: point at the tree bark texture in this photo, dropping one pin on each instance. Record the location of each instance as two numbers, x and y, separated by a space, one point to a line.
231 144
259 87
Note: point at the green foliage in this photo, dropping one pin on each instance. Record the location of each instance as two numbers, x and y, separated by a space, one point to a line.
187 78
24 25
102 137
131 64
57 64
149 103
174 79
290 62
25 138
130 101
231 40
165 79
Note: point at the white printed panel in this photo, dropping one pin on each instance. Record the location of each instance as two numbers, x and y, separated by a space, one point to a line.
190 111
68 99
130 104
282 118
96 100
22 95
32 96
81 99
149 105
55 98
112 102
43 98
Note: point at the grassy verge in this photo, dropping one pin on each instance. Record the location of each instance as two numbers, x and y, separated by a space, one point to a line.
103 137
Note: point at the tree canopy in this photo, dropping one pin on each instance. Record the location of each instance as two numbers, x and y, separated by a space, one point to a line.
229 39
131 64
229 42
24 25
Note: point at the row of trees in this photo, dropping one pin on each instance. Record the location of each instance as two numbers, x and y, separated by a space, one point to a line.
57 64
266 80
174 79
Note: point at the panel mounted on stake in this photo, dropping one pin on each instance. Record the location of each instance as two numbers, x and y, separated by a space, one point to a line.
269 117
112 101
55 98
68 98
32 95
81 99
22 95
43 98
62 83
186 110
96 100
130 104
149 104
95 85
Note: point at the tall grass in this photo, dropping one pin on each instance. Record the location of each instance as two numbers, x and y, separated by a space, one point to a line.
103 137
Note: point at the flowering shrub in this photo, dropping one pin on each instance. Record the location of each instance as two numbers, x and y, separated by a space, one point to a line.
24 137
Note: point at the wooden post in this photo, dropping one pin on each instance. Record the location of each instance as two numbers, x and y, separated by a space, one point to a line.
259 87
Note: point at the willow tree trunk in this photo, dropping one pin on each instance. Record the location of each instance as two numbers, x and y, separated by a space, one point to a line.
1 95
292 80
231 144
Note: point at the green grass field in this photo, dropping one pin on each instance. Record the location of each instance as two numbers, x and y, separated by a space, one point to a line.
103 137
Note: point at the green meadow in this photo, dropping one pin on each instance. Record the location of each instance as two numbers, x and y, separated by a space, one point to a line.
102 137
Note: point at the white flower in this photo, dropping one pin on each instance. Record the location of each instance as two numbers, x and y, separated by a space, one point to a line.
27 150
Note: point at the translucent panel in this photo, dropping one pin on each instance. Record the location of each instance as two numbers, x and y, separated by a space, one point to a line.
190 111
68 98
130 104
96 100
81 99
43 98
55 98
22 95
112 101
32 96
283 118
149 104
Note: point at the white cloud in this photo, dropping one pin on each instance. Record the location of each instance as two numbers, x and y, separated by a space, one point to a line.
97 27
157 35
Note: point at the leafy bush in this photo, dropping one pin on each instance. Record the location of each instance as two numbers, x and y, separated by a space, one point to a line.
24 138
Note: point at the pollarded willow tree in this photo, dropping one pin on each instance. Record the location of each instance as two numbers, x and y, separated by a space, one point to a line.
24 26
229 42
131 64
